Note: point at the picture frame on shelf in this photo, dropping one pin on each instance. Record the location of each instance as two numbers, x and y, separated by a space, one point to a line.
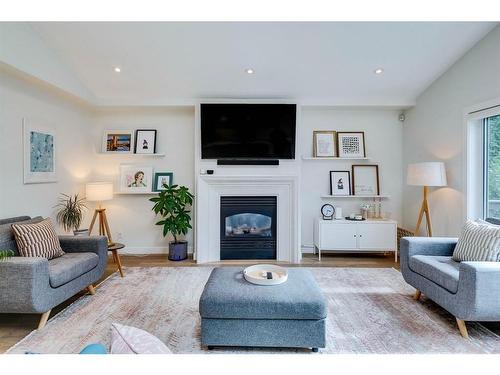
324 145
39 149
365 179
351 144
162 178
340 183
145 141
136 179
117 141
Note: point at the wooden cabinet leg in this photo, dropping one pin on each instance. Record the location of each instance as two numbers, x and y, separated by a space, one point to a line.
417 295
43 319
91 289
463 328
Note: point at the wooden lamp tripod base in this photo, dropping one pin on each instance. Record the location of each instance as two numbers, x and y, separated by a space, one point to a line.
103 224
424 209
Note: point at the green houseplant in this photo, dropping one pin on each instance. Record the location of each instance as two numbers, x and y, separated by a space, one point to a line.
173 205
70 212
6 254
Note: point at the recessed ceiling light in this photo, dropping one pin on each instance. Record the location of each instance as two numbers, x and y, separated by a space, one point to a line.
117 69
249 71
378 71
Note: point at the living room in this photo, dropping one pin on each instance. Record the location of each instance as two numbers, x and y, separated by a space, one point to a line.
303 188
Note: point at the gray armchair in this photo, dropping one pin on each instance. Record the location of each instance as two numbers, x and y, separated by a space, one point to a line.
468 290
36 285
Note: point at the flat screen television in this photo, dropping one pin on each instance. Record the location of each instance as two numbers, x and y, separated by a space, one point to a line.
248 131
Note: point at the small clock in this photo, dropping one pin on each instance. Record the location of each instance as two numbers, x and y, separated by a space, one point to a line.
327 211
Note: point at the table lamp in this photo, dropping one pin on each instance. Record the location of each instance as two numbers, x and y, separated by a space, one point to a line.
426 174
99 192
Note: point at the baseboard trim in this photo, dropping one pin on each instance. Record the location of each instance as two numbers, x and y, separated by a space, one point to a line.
131 250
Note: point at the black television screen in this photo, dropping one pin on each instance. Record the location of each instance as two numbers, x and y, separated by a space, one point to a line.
248 131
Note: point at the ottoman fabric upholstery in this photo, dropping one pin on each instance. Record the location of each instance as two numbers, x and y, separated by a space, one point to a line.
235 312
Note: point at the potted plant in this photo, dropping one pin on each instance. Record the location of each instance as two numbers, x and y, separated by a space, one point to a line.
70 213
172 205
6 254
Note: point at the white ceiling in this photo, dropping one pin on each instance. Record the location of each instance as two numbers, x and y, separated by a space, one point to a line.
317 63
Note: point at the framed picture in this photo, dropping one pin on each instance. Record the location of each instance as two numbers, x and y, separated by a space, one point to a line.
351 144
324 144
136 179
145 141
163 178
340 183
365 180
39 148
117 141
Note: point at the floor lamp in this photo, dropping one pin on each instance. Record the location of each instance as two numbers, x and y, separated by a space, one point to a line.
426 174
99 192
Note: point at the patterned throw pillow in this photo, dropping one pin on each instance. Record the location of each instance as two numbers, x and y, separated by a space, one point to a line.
478 242
37 240
131 340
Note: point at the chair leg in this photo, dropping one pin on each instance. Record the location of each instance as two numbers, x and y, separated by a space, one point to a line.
417 295
91 289
43 319
463 328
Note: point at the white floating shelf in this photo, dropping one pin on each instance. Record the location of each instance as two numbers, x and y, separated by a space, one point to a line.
145 193
332 158
355 196
131 154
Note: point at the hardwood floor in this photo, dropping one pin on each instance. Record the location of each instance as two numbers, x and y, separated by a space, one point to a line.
13 327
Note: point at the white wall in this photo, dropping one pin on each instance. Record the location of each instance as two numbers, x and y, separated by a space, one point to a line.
130 217
22 97
434 130
383 136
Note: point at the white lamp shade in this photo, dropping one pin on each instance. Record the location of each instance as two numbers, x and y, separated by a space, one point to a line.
426 174
99 191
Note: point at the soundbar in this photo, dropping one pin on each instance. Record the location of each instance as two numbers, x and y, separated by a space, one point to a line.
248 162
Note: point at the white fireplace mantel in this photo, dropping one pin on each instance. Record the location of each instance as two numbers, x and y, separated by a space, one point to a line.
211 187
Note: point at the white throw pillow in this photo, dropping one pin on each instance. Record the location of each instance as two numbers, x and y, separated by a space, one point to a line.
131 340
478 243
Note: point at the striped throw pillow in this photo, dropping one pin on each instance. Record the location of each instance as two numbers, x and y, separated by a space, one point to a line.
37 240
478 243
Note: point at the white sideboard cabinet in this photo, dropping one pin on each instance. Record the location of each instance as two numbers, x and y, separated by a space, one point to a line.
355 236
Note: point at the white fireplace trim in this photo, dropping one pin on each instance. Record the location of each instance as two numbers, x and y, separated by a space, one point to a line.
211 188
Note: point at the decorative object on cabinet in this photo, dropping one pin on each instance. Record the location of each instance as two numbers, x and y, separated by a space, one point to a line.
355 236
136 179
145 141
340 183
324 144
99 192
162 179
39 152
117 141
351 144
327 210
365 179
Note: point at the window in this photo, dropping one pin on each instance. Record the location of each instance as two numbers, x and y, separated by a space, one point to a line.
491 168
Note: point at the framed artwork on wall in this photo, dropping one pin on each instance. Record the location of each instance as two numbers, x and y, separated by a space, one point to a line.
365 179
351 144
117 141
145 141
136 179
324 145
39 148
161 179
340 183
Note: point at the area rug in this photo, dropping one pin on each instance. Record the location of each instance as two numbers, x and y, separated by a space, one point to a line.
370 310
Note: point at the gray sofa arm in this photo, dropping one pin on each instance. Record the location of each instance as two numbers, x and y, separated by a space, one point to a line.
84 244
21 280
444 246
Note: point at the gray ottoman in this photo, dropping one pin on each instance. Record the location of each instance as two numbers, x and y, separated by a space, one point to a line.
237 313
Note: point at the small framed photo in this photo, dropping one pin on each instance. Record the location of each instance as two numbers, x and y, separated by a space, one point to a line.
117 141
136 179
162 179
340 183
145 141
365 179
351 144
324 144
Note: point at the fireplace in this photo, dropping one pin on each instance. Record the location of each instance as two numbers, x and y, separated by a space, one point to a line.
248 227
